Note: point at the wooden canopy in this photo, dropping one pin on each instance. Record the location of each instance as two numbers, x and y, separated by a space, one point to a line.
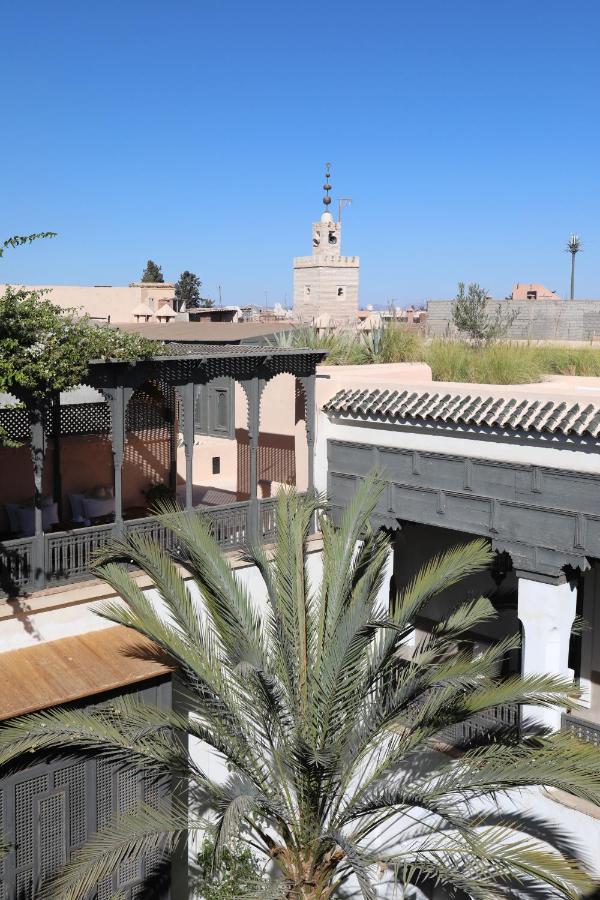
58 672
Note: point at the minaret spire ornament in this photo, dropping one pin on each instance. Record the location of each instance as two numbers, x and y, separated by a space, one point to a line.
327 186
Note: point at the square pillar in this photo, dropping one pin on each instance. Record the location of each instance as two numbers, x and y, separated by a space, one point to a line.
117 399
186 396
383 595
253 392
308 386
37 437
546 611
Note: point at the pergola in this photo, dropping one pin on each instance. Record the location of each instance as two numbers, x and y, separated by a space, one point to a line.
31 563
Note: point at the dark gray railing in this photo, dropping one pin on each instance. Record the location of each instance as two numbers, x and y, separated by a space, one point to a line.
229 524
507 715
584 730
68 555
268 519
16 566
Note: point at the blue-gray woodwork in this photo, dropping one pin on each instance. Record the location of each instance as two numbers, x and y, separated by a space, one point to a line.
214 408
50 807
544 518
28 564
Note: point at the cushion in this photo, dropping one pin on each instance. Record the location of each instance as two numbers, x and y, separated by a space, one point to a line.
77 508
12 514
100 492
94 508
26 516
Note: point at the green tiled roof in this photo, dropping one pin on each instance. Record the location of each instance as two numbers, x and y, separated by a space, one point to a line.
512 413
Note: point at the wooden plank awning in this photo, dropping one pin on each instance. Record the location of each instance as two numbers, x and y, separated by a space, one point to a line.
57 672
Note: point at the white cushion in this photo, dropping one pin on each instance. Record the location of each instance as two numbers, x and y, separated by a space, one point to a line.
94 508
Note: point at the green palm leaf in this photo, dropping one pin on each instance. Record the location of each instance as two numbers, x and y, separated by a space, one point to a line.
330 731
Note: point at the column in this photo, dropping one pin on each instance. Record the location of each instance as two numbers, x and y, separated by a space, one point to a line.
546 611
186 393
172 440
383 595
590 648
37 435
118 398
56 463
308 386
253 391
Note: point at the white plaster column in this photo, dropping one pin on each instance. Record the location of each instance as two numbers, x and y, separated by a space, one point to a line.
546 612
589 642
383 596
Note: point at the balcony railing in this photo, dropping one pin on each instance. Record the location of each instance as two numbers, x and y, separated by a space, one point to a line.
584 730
16 566
505 716
68 555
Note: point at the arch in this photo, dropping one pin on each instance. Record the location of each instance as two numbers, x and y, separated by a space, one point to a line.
282 444
149 447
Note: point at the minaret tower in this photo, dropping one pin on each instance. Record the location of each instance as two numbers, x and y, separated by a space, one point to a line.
326 283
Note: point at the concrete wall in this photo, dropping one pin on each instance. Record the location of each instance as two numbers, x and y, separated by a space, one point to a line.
548 320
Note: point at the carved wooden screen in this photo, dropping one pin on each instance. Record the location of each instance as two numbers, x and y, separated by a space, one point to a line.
50 809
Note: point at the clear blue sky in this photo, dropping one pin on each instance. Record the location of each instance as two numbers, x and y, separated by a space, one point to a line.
195 132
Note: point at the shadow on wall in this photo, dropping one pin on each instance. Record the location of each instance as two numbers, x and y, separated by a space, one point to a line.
276 460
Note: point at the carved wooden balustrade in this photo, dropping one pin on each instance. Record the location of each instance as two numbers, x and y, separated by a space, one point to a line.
506 715
69 555
581 728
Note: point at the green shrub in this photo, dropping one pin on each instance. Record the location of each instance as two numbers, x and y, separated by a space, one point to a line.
450 360
239 872
506 363
400 344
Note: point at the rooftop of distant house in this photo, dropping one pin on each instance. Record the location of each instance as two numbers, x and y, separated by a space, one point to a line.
207 332
533 291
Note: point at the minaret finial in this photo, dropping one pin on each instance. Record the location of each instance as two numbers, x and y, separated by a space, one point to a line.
327 186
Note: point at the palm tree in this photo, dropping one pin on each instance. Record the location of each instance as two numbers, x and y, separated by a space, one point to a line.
573 247
332 732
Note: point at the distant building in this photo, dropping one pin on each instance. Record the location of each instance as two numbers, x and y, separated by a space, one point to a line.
138 302
326 283
532 291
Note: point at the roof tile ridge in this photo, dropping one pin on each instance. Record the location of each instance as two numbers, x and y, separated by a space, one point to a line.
582 421
412 401
528 414
509 408
459 406
593 426
558 417
538 423
469 413
520 411
388 402
428 407
439 403
396 404
488 406
566 423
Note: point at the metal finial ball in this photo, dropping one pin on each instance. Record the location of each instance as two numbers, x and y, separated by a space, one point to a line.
326 186
326 200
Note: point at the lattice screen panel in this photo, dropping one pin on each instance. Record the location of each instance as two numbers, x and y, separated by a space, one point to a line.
51 808
76 418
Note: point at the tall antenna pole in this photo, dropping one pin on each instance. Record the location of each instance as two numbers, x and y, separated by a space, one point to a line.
342 202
